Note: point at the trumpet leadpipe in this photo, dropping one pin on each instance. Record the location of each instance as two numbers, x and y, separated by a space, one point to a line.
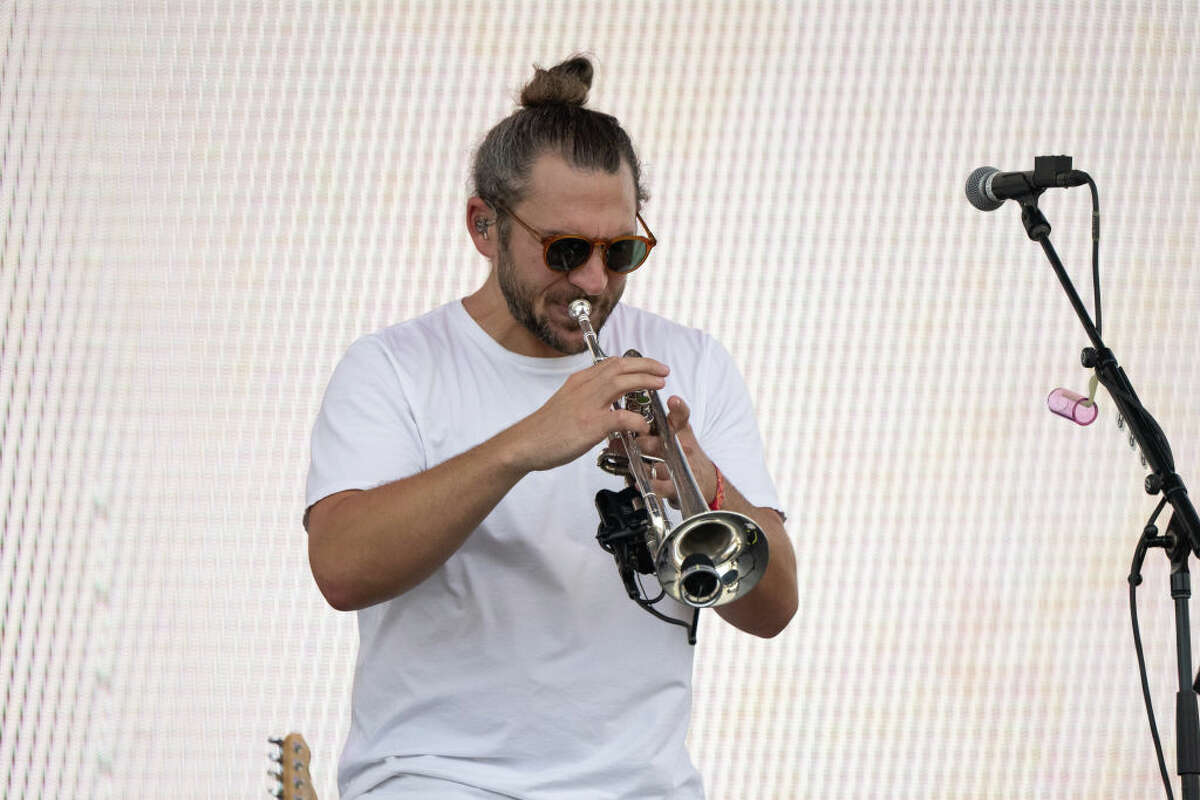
633 464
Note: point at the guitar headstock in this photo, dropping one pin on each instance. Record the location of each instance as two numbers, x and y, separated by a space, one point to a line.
295 782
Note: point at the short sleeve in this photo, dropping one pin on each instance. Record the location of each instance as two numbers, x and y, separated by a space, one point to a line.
730 435
366 433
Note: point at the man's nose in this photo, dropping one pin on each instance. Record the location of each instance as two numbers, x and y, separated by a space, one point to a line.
592 275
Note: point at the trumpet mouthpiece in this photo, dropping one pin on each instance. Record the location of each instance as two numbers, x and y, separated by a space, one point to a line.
579 308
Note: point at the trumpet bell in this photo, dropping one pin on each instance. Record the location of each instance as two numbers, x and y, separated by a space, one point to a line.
711 559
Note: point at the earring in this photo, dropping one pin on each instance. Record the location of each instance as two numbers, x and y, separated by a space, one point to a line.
482 225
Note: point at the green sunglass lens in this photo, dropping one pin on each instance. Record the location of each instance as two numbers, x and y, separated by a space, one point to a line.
626 254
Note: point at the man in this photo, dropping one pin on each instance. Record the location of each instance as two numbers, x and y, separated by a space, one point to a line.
451 486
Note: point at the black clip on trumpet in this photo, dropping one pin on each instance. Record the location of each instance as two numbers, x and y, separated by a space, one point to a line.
624 524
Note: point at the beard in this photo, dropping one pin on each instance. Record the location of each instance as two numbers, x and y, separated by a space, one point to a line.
520 299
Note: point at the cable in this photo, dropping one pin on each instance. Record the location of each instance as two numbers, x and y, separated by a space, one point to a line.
1096 250
1149 533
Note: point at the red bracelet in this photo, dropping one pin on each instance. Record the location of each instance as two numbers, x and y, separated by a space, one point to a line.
719 498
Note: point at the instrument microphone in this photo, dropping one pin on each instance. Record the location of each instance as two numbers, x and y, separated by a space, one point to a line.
987 187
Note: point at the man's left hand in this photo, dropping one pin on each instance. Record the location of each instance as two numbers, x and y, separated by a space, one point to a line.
678 415
767 609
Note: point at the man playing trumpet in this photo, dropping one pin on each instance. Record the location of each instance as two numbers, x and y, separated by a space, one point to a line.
450 494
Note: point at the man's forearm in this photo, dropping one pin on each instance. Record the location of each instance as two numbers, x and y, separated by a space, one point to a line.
767 608
369 546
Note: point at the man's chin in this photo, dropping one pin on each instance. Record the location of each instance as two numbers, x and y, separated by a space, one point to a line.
571 350
559 330
568 341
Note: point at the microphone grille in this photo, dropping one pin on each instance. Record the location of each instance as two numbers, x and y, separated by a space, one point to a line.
976 194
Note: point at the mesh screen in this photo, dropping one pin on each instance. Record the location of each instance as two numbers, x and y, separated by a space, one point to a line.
203 204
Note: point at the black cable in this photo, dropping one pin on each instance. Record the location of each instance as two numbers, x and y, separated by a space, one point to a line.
621 533
1116 390
637 593
1096 250
646 595
1137 642
1135 577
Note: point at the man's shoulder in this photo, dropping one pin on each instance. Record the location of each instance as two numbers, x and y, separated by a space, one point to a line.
627 318
432 330
404 348
652 333
436 321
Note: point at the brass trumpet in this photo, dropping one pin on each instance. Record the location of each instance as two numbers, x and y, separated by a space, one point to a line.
711 557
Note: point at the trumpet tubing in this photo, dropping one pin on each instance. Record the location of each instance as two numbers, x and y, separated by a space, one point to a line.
711 557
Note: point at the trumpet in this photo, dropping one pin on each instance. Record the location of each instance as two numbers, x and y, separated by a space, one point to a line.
711 557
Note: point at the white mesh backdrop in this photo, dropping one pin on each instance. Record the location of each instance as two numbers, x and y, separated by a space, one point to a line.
203 204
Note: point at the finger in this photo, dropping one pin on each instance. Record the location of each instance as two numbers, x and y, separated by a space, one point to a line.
678 413
624 384
615 447
665 488
647 365
627 421
614 369
651 445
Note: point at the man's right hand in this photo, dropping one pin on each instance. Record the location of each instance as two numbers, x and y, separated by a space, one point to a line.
580 414
366 546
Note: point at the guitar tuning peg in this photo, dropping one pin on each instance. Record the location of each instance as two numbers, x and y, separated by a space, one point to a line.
276 773
275 740
275 792
1120 421
1132 442
1145 463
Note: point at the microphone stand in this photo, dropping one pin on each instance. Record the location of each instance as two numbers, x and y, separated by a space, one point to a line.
1183 536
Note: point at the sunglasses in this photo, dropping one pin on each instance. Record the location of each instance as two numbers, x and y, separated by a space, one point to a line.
564 253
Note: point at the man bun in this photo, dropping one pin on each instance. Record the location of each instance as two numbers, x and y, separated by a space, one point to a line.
564 84
552 119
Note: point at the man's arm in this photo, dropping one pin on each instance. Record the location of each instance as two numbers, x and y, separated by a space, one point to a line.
767 608
367 546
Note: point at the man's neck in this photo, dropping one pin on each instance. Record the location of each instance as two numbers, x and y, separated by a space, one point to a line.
489 310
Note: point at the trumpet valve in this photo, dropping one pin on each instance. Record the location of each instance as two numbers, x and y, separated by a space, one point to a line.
613 463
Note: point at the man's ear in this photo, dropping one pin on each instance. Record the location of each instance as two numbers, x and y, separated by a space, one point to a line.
481 225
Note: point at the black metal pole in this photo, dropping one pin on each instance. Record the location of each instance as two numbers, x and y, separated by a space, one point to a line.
1187 720
1185 524
1142 426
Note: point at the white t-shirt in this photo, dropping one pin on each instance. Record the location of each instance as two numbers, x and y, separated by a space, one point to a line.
520 667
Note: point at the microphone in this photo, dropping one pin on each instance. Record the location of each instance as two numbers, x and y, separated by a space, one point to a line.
988 188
